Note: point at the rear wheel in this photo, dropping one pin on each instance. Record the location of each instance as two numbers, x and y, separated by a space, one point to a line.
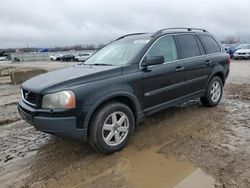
111 127
213 92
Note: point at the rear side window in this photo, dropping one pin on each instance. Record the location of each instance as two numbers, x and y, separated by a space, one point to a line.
211 45
188 46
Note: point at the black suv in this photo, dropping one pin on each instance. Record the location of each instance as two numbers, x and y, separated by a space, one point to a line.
68 57
138 74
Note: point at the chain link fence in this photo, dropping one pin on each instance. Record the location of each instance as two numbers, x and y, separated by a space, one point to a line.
42 56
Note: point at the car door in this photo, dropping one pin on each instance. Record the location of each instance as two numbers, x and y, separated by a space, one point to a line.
197 65
165 82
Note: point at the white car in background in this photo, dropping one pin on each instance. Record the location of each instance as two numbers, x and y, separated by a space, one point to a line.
4 58
55 57
243 52
82 57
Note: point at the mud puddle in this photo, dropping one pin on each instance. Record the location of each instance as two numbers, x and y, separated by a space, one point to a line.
197 179
149 168
132 168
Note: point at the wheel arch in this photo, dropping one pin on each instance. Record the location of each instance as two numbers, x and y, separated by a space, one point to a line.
218 71
221 75
123 97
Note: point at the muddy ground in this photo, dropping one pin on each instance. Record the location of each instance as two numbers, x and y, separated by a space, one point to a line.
185 146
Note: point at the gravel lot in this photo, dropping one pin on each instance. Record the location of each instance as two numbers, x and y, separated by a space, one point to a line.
188 145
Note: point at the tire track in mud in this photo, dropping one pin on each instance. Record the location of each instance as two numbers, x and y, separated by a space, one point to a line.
9 96
18 139
222 146
9 113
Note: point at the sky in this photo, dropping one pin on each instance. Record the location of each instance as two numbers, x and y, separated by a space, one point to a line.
50 23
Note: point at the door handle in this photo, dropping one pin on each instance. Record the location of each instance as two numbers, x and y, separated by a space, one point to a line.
208 62
179 68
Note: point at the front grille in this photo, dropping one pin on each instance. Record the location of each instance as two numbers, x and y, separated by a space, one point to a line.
242 53
30 97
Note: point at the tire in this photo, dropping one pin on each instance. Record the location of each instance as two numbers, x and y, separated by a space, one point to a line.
212 95
111 138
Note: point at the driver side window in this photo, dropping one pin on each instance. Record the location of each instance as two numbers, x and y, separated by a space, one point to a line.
164 47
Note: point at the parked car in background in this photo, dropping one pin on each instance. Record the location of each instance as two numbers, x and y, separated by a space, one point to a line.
55 57
82 57
68 57
16 59
4 58
243 52
232 48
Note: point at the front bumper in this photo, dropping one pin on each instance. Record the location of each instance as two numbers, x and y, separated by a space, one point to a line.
241 56
56 123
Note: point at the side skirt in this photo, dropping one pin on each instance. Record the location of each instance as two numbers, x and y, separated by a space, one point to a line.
174 102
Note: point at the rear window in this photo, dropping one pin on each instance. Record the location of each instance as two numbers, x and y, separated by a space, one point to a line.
188 45
211 45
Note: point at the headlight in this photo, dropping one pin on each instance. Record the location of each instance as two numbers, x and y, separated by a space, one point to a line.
62 99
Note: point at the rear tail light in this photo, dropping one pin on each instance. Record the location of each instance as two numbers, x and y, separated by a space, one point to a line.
228 60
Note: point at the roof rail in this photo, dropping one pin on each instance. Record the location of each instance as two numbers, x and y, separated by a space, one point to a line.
178 28
131 34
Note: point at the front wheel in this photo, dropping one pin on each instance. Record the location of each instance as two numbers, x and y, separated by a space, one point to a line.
111 127
213 92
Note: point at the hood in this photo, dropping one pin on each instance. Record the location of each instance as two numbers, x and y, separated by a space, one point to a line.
243 51
71 76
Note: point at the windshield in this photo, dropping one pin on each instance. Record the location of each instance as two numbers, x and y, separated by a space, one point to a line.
117 53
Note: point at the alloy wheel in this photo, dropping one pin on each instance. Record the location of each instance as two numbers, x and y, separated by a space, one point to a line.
115 128
215 91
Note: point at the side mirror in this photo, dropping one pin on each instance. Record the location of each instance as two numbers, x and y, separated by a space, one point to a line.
154 60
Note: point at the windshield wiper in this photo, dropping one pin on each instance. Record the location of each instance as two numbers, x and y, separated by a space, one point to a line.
101 64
